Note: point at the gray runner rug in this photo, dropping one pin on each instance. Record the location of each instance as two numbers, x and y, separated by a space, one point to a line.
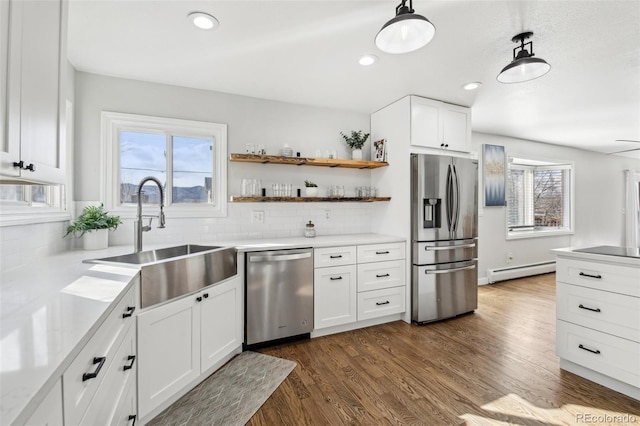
231 395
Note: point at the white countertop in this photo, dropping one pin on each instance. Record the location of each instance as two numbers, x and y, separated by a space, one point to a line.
570 252
50 310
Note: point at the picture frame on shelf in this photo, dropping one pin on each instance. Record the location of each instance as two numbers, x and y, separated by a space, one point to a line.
380 150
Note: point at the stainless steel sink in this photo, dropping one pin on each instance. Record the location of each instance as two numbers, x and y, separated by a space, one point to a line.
175 271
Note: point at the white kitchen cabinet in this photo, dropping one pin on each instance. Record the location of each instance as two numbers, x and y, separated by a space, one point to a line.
90 381
334 296
181 339
34 51
436 124
49 412
598 320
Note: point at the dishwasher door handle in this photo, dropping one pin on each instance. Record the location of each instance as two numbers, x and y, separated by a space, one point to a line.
279 257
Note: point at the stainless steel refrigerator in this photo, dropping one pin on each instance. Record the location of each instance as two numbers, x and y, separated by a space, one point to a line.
444 229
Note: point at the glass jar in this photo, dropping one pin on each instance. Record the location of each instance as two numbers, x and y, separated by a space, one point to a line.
286 151
310 230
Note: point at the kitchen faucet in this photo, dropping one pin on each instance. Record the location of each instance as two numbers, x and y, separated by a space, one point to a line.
139 229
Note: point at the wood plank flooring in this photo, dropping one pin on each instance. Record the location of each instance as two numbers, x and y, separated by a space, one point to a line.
494 367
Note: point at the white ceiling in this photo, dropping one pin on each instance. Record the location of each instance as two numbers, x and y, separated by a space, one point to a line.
306 52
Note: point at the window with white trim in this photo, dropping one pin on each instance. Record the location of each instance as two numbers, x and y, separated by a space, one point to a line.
539 198
188 157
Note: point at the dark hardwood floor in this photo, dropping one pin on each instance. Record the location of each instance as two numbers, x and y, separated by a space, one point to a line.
494 367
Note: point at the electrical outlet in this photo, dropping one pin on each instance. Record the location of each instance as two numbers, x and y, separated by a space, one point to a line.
327 214
509 257
257 216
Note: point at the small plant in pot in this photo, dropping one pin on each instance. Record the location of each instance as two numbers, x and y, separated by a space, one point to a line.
311 189
93 226
356 141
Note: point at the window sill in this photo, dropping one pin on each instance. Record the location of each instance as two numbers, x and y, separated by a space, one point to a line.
537 234
16 218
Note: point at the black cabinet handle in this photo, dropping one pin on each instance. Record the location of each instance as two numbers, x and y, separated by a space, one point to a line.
129 312
18 164
335 278
206 295
132 417
199 299
337 256
383 252
597 352
381 275
442 145
131 358
581 306
382 303
30 167
582 274
100 360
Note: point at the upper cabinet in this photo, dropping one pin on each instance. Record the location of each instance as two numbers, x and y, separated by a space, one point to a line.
33 56
436 124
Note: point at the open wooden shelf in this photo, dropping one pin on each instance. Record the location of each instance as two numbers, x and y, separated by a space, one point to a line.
306 161
241 199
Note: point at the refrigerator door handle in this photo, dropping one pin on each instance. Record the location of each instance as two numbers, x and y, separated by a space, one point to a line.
432 248
450 198
456 212
448 271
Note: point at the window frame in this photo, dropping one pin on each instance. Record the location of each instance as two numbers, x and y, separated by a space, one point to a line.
536 163
114 122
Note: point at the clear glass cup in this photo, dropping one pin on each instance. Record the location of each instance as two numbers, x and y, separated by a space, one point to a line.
250 148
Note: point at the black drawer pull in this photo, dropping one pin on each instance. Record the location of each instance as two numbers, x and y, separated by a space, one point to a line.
131 358
382 303
597 352
199 299
581 306
381 275
100 360
206 295
335 278
383 252
132 417
582 274
130 310
336 256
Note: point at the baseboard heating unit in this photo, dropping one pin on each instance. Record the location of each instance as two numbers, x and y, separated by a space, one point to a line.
502 274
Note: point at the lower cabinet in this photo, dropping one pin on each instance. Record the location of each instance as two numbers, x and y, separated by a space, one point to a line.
180 340
334 296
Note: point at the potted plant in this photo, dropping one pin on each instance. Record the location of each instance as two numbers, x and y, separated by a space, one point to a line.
355 142
93 226
311 189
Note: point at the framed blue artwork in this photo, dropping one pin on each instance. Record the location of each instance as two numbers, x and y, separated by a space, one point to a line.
495 178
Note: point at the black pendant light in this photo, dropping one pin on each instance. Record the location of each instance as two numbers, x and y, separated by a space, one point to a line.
406 32
524 66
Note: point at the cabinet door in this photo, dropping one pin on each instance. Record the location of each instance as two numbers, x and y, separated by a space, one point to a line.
221 321
456 127
425 122
334 296
49 412
168 351
10 41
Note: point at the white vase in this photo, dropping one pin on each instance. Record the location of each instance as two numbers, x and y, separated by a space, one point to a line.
311 191
96 240
356 154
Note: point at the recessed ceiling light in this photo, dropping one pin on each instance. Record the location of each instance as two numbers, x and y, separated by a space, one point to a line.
366 60
204 21
472 86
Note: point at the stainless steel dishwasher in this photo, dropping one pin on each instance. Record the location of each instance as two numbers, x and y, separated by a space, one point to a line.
279 295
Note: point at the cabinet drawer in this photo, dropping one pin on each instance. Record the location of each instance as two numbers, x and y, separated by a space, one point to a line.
375 276
334 256
377 303
613 356
380 252
615 278
612 313
77 392
108 399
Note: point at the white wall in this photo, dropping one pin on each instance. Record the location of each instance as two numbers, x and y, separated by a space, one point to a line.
599 202
250 120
